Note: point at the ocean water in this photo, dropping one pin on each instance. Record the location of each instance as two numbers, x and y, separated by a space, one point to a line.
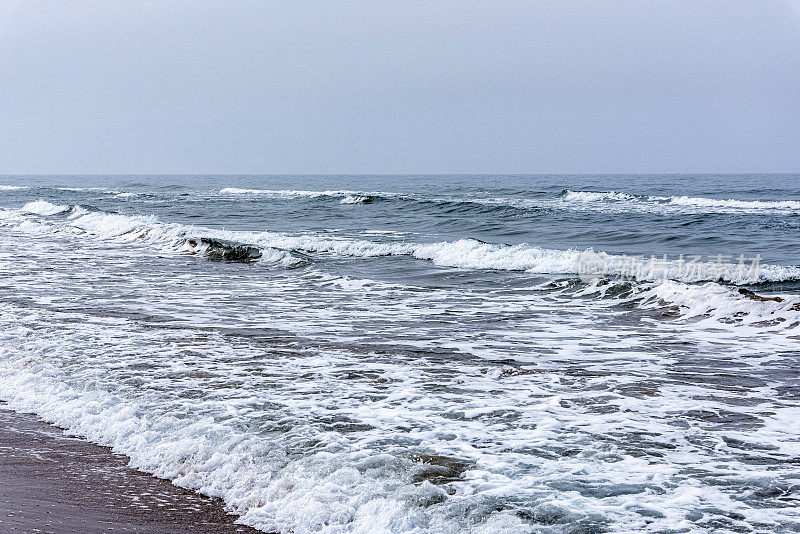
421 353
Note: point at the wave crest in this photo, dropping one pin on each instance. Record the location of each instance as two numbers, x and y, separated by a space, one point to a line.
734 204
41 207
593 196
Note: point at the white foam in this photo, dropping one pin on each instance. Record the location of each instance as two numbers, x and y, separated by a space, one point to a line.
712 304
719 304
355 199
618 202
109 225
756 205
13 187
41 207
307 477
263 423
472 254
594 196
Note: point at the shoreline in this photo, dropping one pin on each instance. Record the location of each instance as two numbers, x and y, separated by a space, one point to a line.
54 483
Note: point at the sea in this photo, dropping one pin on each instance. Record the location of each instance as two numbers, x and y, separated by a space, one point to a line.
426 353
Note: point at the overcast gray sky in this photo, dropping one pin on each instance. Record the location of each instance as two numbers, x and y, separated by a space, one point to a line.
399 86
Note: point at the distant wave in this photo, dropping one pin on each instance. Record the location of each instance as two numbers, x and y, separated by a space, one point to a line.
296 193
86 189
602 201
278 193
616 201
344 196
598 201
45 189
788 205
593 196
463 253
368 197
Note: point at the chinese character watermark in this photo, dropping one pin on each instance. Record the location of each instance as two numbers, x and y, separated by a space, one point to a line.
684 267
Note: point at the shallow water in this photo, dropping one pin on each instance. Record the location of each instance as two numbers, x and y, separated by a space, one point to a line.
421 354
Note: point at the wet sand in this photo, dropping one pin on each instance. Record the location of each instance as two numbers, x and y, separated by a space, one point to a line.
52 483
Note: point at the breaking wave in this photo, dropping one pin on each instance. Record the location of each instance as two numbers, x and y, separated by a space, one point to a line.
214 244
616 201
221 250
463 253
710 304
593 196
41 207
293 193
781 205
571 200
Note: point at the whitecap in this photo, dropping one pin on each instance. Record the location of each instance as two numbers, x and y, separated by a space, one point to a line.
42 207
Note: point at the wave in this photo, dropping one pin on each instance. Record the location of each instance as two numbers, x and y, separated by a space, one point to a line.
717 306
277 193
357 199
47 189
712 305
293 193
473 254
787 205
213 244
593 196
218 249
86 189
571 200
41 207
616 201
463 253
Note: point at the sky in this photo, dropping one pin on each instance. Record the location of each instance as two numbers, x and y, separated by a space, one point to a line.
407 86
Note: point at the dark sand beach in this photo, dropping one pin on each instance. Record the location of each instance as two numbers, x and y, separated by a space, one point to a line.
52 483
